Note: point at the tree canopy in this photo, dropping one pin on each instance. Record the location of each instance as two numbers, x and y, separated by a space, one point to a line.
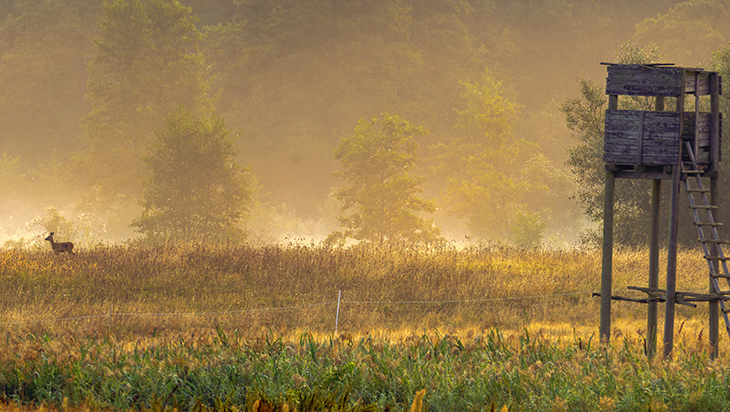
147 63
87 83
196 191
382 200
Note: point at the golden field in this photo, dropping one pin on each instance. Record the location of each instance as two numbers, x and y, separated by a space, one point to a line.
384 290
153 329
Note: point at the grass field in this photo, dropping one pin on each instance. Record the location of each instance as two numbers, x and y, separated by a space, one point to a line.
243 328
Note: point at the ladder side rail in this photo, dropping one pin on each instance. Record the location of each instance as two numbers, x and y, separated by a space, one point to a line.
700 231
713 280
721 254
711 218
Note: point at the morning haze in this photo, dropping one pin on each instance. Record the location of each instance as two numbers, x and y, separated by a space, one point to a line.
90 89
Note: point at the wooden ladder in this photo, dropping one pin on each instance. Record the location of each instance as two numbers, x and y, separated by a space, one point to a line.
690 169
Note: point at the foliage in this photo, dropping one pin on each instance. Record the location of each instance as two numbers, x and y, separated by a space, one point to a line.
190 326
196 192
527 229
706 22
721 64
296 76
382 196
147 64
312 69
585 117
524 371
495 180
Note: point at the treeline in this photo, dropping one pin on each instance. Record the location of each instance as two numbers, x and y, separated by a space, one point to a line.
86 85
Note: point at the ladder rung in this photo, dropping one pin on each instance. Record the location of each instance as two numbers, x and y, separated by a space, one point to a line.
693 172
711 207
698 190
720 258
719 241
708 224
718 275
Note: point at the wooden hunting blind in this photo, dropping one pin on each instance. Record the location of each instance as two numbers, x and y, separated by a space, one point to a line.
676 145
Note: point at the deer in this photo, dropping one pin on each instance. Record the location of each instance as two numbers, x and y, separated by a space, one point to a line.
60 247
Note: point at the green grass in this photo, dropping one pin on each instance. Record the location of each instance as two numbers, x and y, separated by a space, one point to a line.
224 349
521 371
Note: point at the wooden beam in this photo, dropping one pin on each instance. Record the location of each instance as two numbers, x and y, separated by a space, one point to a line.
673 236
656 208
629 174
607 264
695 137
714 120
672 265
651 316
613 102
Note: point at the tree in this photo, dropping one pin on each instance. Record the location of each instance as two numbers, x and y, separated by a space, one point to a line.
147 64
196 191
689 32
498 184
297 76
721 64
382 196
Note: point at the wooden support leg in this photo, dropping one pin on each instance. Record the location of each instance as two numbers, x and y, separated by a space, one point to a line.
656 200
651 317
672 264
607 267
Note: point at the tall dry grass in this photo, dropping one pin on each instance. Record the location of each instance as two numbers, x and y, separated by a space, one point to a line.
136 290
192 326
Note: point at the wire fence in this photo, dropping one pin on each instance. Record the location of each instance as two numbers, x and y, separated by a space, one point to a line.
339 302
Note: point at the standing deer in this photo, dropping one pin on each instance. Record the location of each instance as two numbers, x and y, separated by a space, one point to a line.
61 246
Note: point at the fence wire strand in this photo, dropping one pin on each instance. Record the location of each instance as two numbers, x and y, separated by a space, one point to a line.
343 302
416 302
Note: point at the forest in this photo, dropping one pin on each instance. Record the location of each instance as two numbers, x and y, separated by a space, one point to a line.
500 105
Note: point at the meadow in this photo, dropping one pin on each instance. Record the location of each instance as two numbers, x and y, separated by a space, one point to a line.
445 328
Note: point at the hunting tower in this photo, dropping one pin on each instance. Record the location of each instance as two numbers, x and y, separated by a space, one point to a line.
677 145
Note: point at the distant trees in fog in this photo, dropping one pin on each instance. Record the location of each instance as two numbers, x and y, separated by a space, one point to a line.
196 191
87 87
382 200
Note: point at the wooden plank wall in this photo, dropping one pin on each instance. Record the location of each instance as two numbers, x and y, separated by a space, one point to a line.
641 138
635 80
703 80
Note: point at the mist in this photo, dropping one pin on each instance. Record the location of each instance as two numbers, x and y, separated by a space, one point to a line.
78 111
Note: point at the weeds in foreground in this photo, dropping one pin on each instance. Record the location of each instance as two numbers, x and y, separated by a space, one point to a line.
420 372
193 328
